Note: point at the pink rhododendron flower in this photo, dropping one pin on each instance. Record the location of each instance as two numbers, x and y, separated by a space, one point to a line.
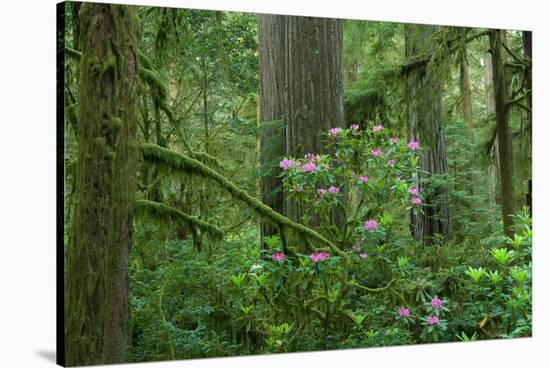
318 256
416 201
413 190
391 162
321 191
364 255
334 132
286 164
436 302
413 145
376 152
363 178
333 189
378 128
309 166
393 140
313 158
355 127
371 225
278 257
432 320
404 312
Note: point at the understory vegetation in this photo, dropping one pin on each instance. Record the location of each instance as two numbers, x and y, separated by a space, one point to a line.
248 184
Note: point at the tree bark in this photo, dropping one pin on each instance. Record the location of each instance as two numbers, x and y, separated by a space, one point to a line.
500 87
527 41
493 168
425 125
75 9
271 41
314 88
466 91
101 233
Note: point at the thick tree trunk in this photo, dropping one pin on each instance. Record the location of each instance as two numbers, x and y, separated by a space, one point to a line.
500 86
314 87
271 40
101 233
425 125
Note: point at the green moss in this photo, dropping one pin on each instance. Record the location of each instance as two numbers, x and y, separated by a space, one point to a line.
164 211
181 163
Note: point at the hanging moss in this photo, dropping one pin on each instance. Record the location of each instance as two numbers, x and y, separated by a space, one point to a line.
101 227
155 82
177 162
164 211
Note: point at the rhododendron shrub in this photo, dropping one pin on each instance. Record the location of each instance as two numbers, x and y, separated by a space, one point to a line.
357 195
367 173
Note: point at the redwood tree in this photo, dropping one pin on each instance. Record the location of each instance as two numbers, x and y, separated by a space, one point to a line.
425 126
314 87
301 82
101 232
271 41
500 86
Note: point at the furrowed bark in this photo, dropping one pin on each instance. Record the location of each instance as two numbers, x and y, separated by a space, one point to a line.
271 35
425 125
101 233
500 86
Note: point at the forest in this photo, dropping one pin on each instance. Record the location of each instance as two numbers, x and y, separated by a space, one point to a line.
239 183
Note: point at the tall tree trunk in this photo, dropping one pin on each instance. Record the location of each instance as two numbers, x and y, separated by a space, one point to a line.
466 105
493 168
314 87
528 51
466 91
101 233
271 41
500 86
425 125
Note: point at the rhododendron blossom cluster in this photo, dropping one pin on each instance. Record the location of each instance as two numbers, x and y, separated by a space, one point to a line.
371 225
436 302
404 312
318 256
278 257
432 320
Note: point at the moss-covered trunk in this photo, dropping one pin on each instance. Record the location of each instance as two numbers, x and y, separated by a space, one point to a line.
500 87
271 41
425 119
101 233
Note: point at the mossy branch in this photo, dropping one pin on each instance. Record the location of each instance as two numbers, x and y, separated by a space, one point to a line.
422 60
179 162
372 290
163 210
75 54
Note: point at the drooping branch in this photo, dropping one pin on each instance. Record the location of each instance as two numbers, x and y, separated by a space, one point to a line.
422 60
519 98
372 290
182 163
514 56
165 211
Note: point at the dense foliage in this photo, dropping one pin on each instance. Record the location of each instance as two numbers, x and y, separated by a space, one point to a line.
344 269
